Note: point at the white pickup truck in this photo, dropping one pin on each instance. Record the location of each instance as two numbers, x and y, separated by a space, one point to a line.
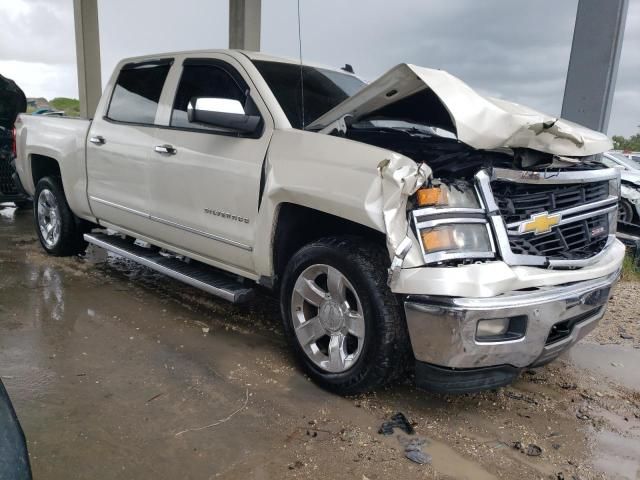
408 224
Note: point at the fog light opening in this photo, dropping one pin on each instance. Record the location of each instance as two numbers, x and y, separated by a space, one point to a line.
492 327
501 329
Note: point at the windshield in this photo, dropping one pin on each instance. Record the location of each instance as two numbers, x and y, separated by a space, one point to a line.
323 89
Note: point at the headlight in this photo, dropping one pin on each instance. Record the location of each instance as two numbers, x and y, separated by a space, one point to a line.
451 223
470 240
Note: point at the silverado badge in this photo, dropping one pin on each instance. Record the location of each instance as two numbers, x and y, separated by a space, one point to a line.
540 223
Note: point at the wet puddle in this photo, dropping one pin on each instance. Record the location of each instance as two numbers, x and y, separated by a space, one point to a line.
616 450
616 362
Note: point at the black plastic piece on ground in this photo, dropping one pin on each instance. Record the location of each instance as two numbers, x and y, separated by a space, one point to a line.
397 421
447 380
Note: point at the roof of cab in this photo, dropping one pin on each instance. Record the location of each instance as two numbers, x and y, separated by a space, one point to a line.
259 56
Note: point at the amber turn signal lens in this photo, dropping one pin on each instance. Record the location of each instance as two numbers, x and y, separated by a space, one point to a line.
437 240
431 196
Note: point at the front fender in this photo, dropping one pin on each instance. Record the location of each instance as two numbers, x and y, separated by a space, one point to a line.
352 180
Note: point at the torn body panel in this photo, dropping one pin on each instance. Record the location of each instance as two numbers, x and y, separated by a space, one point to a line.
438 99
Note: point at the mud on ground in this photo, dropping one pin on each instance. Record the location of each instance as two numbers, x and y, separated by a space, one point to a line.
117 372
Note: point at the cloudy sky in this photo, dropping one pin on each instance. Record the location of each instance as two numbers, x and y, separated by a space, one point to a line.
517 50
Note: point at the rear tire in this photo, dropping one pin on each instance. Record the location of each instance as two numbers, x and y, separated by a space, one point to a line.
346 327
60 232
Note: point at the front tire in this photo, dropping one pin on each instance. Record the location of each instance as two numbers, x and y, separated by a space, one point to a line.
60 232
346 327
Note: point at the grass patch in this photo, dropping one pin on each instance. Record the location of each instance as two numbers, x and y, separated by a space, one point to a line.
630 270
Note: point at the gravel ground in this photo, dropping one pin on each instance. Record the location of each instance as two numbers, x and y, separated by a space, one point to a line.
621 323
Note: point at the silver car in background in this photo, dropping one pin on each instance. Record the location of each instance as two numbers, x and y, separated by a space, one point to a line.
629 205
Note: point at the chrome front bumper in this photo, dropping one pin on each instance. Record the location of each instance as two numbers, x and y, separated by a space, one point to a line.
443 329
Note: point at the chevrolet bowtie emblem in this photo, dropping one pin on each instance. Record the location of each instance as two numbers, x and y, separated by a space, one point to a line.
540 223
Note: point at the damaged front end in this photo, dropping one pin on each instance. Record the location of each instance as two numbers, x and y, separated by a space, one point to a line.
501 234
494 180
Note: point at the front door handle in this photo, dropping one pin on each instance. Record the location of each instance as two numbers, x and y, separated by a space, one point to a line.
165 149
98 140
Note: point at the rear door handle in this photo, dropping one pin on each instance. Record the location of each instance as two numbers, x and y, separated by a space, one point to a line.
98 140
165 149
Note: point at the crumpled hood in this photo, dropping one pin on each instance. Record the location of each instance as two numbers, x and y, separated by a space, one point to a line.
439 99
12 102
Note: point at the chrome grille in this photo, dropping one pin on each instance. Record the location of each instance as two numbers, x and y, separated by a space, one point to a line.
579 240
575 214
518 201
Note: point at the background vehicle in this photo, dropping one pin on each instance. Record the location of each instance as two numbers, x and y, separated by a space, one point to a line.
12 102
629 205
389 245
634 156
48 112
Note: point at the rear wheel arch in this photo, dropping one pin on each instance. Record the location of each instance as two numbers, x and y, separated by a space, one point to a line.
44 166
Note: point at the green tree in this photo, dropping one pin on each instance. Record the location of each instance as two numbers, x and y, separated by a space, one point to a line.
622 143
70 106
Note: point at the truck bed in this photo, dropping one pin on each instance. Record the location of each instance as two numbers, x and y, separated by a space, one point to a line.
60 138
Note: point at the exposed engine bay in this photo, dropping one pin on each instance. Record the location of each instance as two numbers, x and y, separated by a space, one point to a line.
449 158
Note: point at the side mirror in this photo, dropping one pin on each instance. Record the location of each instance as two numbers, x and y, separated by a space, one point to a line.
221 112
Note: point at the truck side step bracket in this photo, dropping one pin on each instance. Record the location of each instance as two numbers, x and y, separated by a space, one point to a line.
195 274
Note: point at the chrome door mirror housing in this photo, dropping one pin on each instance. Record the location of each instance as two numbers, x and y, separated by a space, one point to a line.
224 113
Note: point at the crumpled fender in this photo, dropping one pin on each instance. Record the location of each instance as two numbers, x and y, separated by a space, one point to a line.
399 180
352 180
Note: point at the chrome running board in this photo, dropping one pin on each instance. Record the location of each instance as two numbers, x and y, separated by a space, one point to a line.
196 274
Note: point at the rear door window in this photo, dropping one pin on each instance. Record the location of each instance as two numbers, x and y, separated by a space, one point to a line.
137 92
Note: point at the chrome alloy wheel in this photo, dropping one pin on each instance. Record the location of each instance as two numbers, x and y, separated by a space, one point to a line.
327 318
48 218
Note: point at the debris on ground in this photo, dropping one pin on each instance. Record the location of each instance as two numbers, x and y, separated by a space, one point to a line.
296 464
397 421
412 446
582 414
413 451
521 396
531 450
568 385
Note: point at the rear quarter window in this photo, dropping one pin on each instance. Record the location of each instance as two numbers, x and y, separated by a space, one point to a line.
137 93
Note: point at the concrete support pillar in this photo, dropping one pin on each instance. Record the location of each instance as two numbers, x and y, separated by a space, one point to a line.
85 14
244 24
593 66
